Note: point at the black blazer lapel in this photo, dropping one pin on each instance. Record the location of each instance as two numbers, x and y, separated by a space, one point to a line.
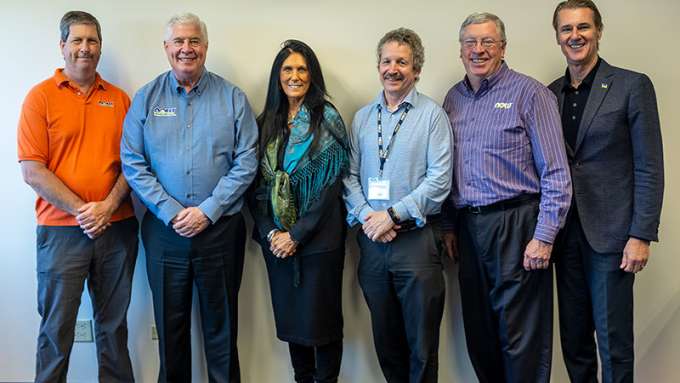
598 91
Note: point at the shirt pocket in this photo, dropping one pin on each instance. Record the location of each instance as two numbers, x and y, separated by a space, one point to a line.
221 134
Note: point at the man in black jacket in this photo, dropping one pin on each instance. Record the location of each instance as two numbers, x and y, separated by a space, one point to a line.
613 139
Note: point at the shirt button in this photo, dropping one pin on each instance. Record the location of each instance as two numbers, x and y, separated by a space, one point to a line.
189 126
574 105
573 117
188 195
188 172
576 93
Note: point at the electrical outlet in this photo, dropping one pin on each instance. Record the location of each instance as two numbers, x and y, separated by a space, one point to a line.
154 332
84 331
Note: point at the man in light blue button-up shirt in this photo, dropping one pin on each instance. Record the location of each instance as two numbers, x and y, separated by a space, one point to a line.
188 151
400 173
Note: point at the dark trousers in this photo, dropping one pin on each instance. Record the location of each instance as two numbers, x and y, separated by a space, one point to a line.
507 311
65 259
403 285
320 364
594 296
213 262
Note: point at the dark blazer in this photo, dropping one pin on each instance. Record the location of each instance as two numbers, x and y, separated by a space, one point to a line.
617 162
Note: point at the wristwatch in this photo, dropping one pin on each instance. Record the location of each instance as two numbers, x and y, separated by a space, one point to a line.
393 215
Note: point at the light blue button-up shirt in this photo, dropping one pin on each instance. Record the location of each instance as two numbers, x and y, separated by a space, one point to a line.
419 164
184 149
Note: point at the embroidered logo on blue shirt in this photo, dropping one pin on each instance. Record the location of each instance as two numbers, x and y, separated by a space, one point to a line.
108 104
164 112
503 105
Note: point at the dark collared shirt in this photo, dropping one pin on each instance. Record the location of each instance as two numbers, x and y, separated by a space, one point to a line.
575 100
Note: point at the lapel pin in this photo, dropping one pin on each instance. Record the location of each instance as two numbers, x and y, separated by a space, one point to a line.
604 85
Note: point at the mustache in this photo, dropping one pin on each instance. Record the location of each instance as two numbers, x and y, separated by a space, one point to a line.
393 76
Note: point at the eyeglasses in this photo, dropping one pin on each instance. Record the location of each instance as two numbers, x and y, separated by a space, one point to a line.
194 42
486 43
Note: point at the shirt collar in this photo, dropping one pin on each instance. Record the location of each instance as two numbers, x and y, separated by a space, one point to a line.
198 88
487 83
61 79
410 99
587 82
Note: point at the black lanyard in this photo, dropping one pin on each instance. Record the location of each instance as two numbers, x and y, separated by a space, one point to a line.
384 153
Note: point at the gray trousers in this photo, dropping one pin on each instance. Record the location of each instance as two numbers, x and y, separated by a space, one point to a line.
403 284
65 259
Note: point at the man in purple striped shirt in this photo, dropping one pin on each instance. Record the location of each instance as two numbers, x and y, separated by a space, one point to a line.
510 195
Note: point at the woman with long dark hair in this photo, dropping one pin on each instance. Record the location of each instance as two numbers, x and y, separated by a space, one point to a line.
298 211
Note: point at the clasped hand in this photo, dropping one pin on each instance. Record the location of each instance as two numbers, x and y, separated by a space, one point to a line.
379 227
189 222
282 245
94 218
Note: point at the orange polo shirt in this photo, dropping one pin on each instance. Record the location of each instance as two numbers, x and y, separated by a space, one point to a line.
77 137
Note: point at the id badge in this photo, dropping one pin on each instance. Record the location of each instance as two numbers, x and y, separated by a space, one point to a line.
378 189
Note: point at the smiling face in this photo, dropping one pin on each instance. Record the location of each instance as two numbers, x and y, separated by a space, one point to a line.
482 50
81 50
396 70
577 35
295 78
186 50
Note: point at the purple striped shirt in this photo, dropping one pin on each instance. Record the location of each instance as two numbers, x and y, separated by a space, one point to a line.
508 141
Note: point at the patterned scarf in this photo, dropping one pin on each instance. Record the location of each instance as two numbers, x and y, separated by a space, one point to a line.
298 183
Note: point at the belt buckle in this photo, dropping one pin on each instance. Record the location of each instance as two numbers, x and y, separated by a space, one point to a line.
475 209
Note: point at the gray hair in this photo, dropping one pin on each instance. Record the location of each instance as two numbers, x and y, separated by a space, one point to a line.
186 18
481 18
408 37
76 18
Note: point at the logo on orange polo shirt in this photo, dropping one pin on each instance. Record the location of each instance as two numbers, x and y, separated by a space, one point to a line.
164 112
108 104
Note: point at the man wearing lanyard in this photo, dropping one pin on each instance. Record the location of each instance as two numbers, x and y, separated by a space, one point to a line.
512 190
400 173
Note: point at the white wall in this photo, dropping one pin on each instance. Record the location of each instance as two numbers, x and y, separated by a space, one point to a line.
244 36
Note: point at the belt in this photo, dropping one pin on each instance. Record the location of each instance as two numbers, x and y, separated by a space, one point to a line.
500 205
410 224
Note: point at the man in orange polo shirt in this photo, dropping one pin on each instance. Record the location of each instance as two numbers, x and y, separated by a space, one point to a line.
68 140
